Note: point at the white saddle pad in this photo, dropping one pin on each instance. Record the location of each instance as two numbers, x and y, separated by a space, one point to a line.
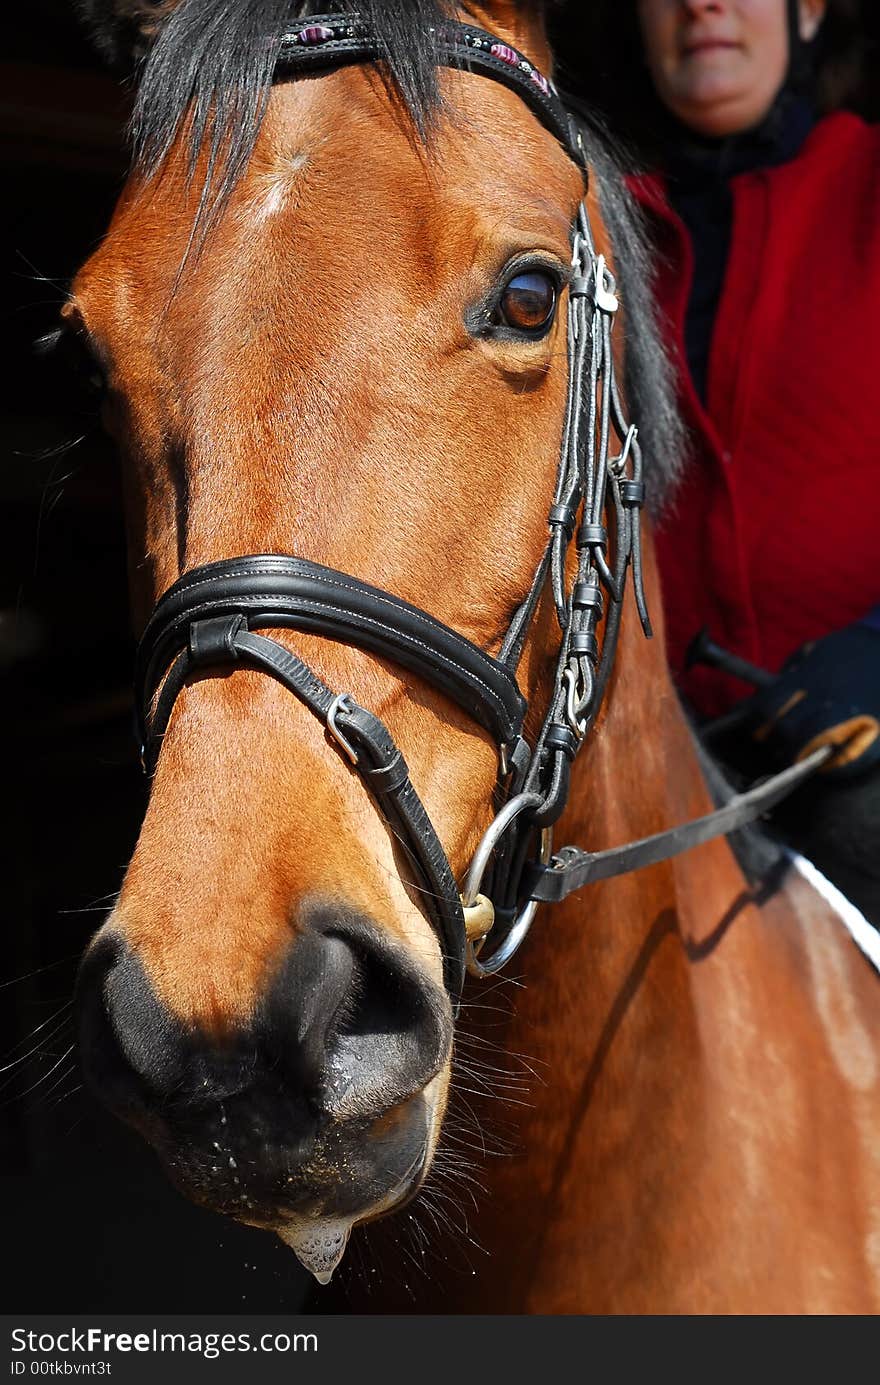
863 933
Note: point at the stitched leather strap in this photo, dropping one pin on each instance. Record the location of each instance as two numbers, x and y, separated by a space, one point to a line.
272 591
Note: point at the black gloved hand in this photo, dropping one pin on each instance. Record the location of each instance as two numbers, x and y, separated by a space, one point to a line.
827 691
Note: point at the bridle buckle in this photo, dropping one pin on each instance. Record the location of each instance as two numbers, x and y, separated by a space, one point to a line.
605 298
577 700
341 703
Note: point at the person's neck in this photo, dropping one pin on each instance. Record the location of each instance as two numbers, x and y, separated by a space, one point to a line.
778 137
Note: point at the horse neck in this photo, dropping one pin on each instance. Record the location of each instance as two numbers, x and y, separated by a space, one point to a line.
674 1016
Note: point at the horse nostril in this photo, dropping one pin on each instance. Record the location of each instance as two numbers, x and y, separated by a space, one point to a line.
350 1016
349 1028
304 1001
312 1105
137 1054
130 1046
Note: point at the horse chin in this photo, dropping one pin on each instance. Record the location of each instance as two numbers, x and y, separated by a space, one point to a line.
319 1241
345 1184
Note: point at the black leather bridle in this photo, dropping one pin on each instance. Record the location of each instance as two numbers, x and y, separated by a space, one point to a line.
210 618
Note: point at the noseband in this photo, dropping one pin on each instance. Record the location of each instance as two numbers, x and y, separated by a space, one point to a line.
210 617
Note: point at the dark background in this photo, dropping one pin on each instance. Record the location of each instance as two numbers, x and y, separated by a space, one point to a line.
88 1220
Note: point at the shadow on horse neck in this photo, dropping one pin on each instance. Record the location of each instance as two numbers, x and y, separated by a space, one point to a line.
693 1127
357 364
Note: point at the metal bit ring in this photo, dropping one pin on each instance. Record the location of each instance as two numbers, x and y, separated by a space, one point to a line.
492 964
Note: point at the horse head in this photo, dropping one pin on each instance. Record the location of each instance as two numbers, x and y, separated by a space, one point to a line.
343 340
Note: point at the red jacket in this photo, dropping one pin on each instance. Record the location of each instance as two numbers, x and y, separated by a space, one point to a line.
773 536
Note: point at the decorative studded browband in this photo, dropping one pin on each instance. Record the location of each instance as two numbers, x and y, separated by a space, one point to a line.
210 618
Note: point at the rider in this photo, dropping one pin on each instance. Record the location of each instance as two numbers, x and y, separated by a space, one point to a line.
765 218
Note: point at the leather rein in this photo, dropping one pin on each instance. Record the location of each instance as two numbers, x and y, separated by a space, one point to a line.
210 618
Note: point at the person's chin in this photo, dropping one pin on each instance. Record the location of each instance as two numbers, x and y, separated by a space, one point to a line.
715 111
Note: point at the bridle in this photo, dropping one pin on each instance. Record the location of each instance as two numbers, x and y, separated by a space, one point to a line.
210 618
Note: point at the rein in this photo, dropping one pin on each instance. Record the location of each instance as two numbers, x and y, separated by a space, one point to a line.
209 618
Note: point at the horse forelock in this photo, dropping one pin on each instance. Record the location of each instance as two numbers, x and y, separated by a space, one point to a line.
207 71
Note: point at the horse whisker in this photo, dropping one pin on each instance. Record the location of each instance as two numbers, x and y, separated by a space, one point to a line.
37 1048
38 971
40 1080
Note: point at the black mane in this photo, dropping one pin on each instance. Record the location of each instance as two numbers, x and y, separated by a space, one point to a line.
648 369
209 64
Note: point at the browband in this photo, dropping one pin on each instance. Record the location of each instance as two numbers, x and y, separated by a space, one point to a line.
338 40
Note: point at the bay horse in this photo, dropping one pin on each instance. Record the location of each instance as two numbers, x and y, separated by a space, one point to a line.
334 318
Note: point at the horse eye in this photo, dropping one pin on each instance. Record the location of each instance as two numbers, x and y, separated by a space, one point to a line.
528 302
76 372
